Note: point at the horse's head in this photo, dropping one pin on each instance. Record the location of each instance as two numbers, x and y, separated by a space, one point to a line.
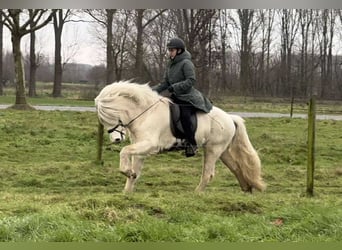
117 135
106 109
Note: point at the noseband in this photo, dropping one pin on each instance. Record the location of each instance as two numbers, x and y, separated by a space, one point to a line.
122 134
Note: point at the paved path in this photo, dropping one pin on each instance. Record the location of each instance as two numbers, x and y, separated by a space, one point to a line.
61 108
242 114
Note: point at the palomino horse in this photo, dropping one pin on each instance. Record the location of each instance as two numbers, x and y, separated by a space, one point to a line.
146 117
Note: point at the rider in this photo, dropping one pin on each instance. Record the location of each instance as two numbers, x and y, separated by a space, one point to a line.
179 79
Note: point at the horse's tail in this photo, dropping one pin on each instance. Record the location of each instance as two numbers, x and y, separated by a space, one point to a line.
245 156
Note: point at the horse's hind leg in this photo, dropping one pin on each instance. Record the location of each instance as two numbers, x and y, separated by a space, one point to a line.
208 170
137 163
228 160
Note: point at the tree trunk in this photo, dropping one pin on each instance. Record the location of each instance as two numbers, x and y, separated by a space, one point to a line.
323 54
268 57
20 97
139 45
246 17
58 27
1 57
33 63
109 58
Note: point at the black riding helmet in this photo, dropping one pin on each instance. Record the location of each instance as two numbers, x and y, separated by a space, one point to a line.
176 43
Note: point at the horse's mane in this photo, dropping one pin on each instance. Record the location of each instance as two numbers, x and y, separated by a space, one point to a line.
141 94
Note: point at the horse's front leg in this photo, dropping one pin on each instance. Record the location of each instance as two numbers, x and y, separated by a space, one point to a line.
137 163
129 168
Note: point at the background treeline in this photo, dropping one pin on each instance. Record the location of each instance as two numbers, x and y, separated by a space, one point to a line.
270 52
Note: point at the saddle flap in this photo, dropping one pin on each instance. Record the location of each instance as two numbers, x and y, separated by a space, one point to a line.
175 121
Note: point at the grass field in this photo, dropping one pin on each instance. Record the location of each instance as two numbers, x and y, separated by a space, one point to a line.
52 190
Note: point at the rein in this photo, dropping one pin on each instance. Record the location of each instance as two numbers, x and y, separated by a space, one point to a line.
129 123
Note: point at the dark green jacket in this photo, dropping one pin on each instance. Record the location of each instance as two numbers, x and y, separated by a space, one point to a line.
180 74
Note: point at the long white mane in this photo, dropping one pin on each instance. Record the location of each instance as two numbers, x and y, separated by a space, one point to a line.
115 95
141 94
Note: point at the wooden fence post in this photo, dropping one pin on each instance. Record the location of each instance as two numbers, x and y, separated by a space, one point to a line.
311 146
99 143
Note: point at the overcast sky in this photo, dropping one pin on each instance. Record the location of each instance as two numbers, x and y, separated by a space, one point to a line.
78 39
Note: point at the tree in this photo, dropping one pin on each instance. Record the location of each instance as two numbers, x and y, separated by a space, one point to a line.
59 19
289 28
266 23
139 53
196 26
247 32
12 19
105 19
109 46
223 25
328 23
33 63
305 22
1 57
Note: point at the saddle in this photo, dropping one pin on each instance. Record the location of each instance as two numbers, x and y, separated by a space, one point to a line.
176 124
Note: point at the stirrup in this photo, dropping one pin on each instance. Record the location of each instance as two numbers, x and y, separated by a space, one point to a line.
190 150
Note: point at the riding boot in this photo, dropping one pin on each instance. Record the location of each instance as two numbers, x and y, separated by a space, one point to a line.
190 149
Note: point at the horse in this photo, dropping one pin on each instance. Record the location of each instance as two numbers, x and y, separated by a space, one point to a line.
145 115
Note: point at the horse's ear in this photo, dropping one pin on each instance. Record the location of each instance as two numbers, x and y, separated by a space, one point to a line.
130 97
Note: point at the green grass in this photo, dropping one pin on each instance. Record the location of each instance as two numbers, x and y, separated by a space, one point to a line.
51 189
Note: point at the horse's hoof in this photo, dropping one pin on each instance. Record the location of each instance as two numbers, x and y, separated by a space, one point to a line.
199 190
129 174
247 190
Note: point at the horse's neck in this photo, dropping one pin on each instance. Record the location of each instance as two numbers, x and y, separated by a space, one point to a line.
132 112
153 115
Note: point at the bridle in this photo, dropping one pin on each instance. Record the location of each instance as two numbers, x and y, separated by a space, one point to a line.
120 124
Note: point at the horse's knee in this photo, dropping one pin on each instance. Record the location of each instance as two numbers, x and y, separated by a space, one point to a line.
129 173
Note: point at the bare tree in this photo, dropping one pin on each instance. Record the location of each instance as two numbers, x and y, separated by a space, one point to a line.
141 25
1 48
224 32
120 42
328 23
60 17
305 22
157 35
105 19
33 62
266 23
197 31
289 27
109 43
12 19
247 33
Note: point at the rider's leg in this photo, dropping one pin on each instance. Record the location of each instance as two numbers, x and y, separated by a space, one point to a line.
187 110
